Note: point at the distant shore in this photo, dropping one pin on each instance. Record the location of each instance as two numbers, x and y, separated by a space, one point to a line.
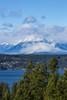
19 62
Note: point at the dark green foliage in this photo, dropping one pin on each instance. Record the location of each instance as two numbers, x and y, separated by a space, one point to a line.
53 64
6 96
4 91
51 87
14 90
40 82
64 85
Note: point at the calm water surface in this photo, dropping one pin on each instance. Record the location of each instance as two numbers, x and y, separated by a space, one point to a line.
11 76
14 76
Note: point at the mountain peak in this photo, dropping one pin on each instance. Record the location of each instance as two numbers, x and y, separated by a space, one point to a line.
33 46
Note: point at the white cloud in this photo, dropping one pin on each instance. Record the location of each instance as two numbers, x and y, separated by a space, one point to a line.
24 26
30 19
7 24
39 47
29 32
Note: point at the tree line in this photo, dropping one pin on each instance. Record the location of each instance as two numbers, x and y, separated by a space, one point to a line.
39 82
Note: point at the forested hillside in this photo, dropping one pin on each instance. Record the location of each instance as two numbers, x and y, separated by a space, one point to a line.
16 62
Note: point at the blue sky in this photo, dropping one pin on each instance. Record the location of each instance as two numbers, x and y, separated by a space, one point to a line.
33 20
55 11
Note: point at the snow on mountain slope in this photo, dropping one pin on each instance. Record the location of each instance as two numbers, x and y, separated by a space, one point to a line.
34 47
4 47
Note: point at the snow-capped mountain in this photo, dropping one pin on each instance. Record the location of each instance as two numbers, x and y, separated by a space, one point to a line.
34 47
4 47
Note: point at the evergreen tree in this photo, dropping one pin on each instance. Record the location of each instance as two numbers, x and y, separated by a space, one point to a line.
33 84
4 91
52 66
24 84
14 90
6 96
59 89
50 92
38 82
64 85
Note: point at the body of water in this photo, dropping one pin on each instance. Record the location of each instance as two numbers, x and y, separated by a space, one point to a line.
11 76
14 75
